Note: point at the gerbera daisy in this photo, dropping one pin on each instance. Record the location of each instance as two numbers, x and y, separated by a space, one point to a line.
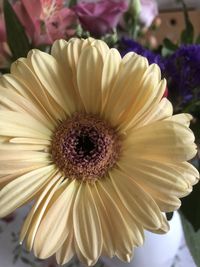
88 135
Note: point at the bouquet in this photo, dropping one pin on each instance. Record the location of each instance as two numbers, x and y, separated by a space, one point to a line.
94 127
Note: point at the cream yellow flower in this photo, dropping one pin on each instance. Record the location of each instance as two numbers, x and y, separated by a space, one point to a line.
88 136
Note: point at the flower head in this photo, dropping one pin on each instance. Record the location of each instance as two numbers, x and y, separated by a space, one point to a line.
100 17
46 20
182 71
88 135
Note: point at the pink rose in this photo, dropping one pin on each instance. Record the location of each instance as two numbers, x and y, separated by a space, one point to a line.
148 12
100 17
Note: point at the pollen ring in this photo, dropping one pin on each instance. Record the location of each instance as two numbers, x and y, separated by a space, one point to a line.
85 147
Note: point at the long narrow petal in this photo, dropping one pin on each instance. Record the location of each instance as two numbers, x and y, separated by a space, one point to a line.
127 82
68 54
15 102
140 205
56 225
89 72
10 172
32 156
130 234
15 166
27 83
53 78
32 141
149 96
22 125
108 248
109 73
167 140
160 111
17 192
163 181
67 251
38 211
86 222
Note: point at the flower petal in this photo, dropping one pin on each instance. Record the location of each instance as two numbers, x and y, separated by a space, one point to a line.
127 82
167 140
163 181
31 141
31 156
108 248
17 192
160 111
140 205
67 251
37 212
15 102
86 222
145 100
126 232
67 54
25 80
109 73
56 225
22 125
89 72
53 78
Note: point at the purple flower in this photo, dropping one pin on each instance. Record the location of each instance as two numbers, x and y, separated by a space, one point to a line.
100 17
182 70
128 45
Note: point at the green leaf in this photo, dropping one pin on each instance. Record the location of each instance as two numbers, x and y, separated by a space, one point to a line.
169 44
26 260
168 47
192 239
16 36
169 215
72 3
191 206
194 109
197 40
187 35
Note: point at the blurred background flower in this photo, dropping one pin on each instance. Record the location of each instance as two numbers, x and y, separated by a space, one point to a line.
129 45
100 17
148 12
46 20
182 70
128 25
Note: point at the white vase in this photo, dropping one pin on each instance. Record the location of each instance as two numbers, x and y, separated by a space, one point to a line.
157 251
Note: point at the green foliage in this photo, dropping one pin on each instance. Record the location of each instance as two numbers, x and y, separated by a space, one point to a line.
16 36
111 39
72 3
194 109
187 35
191 206
131 18
197 41
192 239
168 47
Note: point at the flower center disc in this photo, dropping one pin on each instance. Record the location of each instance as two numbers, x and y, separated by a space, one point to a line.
85 147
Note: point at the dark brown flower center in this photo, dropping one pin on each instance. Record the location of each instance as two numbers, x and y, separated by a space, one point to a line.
85 147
